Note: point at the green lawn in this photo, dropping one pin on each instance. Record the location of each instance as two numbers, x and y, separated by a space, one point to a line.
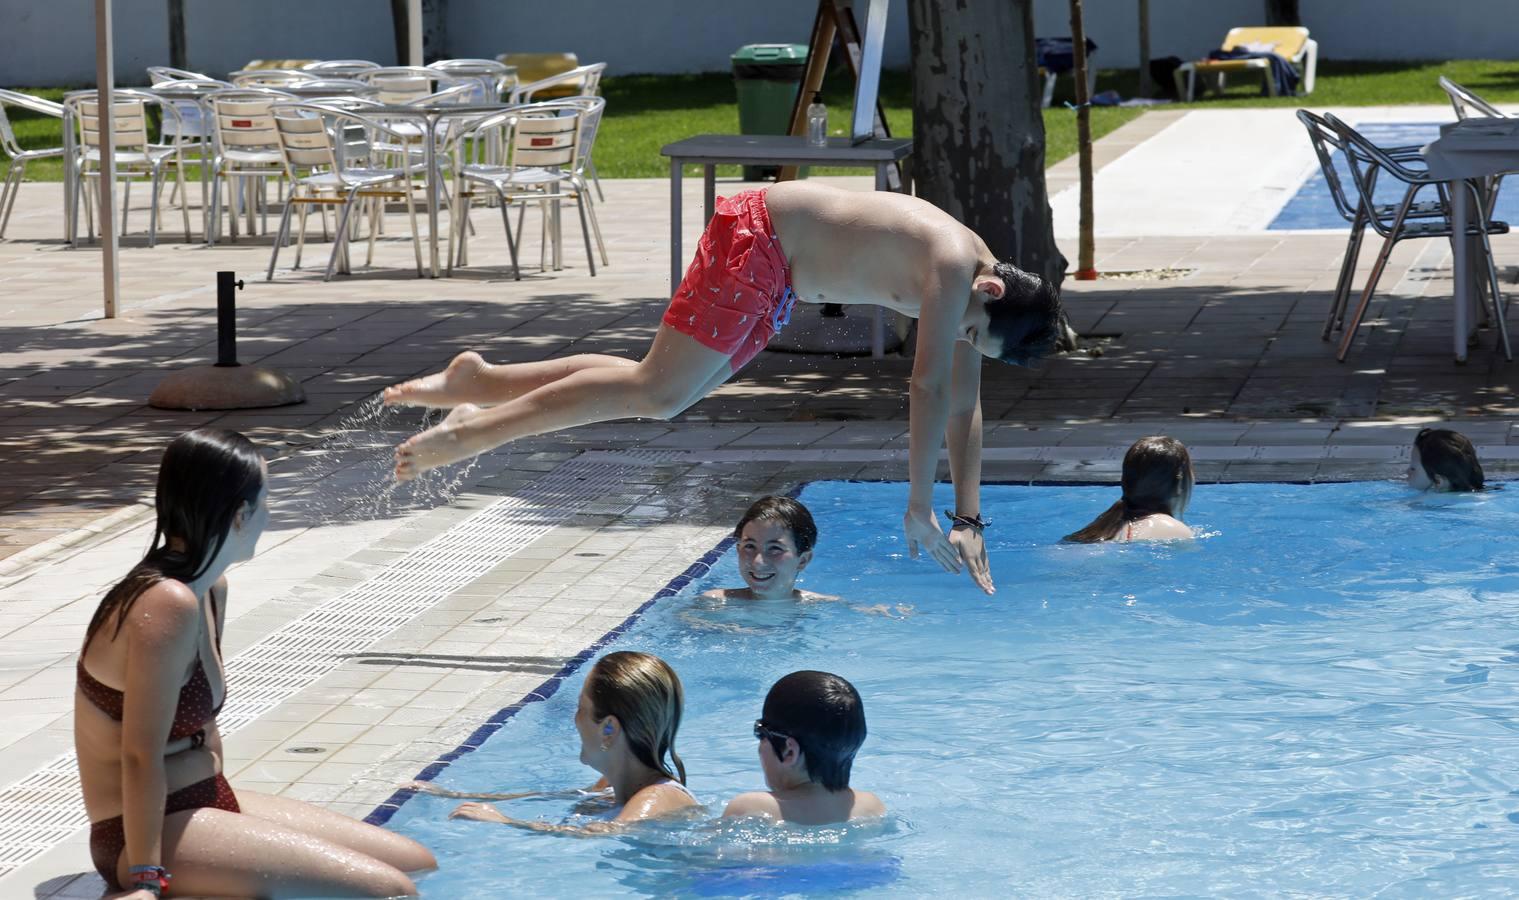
644 112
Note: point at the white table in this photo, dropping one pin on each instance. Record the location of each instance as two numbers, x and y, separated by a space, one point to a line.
1469 151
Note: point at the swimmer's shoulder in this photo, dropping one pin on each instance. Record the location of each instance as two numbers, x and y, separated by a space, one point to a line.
657 800
1161 527
754 804
742 593
867 806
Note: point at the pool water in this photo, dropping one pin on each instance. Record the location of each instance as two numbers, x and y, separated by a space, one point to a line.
1312 207
1317 698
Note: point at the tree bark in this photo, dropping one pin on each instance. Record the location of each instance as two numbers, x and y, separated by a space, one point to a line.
978 132
1146 88
399 21
1283 12
179 57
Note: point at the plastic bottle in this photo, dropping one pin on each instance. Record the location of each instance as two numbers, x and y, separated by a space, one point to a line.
817 121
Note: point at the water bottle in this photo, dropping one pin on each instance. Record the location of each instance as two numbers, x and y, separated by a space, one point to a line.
817 121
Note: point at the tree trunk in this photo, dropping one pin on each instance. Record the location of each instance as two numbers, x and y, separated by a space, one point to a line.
1283 12
179 58
399 22
978 132
1086 251
1146 88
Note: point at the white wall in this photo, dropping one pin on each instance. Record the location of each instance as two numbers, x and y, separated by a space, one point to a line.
51 42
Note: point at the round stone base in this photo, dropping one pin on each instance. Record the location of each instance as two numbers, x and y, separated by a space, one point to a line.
226 387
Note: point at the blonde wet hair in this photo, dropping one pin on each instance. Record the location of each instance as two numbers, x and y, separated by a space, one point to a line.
646 696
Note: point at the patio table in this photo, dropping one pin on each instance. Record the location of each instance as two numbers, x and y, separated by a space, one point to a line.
430 115
328 88
711 150
1469 151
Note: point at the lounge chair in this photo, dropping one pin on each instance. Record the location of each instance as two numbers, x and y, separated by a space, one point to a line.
1291 43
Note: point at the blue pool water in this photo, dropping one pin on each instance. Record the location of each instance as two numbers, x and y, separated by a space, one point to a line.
1312 207
1317 698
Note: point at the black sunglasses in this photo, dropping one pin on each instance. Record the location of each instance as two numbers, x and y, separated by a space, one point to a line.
764 732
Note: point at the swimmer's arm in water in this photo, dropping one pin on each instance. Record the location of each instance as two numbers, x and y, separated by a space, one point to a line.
427 787
484 812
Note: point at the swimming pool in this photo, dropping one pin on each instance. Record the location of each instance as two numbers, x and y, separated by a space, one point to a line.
1318 697
1312 207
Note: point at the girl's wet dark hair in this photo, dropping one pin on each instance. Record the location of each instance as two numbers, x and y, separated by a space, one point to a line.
826 717
1026 318
206 477
1157 478
1449 455
789 512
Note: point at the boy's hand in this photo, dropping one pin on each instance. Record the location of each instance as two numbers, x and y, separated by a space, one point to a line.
923 530
971 545
480 812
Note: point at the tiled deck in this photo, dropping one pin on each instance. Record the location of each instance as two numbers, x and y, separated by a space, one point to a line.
1227 359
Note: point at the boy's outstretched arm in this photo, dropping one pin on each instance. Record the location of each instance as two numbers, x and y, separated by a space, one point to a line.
946 291
964 439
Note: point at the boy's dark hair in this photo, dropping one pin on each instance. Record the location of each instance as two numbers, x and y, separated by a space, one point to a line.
1027 318
1450 455
787 511
826 716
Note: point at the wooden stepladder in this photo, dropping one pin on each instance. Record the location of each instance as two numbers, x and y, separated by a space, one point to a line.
836 20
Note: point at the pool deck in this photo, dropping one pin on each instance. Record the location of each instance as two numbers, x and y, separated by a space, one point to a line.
586 526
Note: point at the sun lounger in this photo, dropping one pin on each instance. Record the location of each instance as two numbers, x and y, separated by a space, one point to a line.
1290 43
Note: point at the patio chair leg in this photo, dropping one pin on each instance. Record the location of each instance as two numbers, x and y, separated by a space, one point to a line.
1360 311
416 233
184 199
585 232
1495 296
250 205
234 207
279 240
126 207
153 195
374 215
1342 287
596 228
8 196
543 236
341 235
300 240
511 244
83 194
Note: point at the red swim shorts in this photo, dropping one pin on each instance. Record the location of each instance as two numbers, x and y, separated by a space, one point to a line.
737 291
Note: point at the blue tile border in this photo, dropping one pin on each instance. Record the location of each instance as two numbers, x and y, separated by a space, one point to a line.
389 807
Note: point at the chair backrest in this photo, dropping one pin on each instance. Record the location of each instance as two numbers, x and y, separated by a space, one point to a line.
1366 160
582 81
591 109
129 122
398 85
245 120
160 74
547 135
1288 42
485 76
340 68
270 77
303 138
8 141
1468 103
1325 141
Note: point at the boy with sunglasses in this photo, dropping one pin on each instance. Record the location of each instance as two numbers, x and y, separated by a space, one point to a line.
813 723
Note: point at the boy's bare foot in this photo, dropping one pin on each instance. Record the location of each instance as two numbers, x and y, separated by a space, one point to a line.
442 390
437 446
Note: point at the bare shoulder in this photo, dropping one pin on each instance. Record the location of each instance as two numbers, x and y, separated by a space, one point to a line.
728 594
1161 527
753 804
654 801
867 806
815 597
164 616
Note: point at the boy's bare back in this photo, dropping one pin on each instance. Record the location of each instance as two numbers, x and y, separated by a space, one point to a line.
866 246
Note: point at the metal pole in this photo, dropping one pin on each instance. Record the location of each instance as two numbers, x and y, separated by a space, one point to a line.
105 84
1085 266
414 35
227 286
1145 86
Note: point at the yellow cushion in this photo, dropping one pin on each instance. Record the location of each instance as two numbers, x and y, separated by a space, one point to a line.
1229 65
1289 40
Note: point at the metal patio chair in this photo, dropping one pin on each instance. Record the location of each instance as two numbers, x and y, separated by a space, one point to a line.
16 171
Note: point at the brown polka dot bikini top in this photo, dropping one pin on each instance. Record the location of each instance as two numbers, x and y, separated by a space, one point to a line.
191 714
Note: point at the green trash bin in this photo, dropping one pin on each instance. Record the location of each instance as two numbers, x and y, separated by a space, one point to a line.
768 77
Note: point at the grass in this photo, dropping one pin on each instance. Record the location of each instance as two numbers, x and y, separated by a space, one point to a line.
645 112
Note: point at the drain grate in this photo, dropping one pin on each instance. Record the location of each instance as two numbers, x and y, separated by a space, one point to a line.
44 808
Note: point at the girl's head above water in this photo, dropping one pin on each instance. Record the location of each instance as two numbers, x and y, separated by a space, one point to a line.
1444 460
1157 480
775 540
211 508
631 706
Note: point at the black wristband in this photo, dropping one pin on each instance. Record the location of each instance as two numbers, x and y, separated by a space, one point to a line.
960 521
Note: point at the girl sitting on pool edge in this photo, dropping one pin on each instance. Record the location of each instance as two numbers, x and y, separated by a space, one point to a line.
628 715
1157 485
1443 460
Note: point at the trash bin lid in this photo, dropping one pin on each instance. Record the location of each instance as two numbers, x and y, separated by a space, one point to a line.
771 54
